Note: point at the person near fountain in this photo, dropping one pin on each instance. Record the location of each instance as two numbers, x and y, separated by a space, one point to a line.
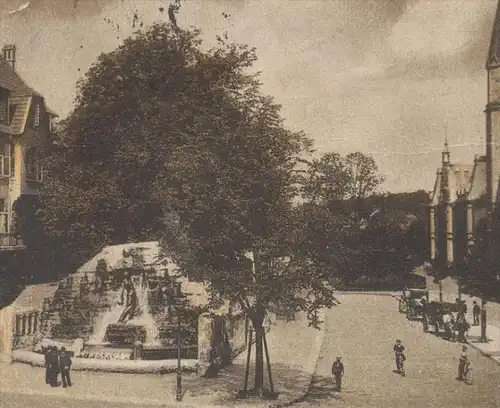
129 299
65 366
52 361
48 353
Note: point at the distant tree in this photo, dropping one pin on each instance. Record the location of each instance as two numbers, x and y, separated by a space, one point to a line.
333 178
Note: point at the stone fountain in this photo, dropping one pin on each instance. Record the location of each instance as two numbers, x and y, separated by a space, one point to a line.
109 309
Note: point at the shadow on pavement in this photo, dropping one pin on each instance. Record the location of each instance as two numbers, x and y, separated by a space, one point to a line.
322 388
223 388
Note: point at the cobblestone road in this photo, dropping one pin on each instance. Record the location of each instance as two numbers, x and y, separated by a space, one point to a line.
363 330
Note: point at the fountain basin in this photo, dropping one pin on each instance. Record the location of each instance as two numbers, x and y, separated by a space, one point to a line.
125 334
113 366
105 352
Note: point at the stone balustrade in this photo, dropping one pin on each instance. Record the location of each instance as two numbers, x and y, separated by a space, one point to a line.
27 325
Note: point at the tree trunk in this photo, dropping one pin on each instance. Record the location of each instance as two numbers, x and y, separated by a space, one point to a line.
259 361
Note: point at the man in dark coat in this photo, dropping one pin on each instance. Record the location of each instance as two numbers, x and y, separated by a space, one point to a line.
476 313
53 362
338 372
65 366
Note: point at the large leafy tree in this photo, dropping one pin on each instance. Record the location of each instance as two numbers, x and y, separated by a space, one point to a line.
171 142
130 110
231 187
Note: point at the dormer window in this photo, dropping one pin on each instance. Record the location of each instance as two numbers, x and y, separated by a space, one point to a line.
37 117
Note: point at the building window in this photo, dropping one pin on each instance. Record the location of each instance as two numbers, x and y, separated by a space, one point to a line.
37 117
34 170
5 159
3 111
4 217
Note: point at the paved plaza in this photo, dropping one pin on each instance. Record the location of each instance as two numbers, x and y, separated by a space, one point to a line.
364 336
362 330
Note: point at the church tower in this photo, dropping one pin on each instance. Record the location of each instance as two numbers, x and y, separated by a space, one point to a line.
493 115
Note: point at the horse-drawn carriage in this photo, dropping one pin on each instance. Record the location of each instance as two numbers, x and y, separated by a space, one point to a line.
444 316
412 303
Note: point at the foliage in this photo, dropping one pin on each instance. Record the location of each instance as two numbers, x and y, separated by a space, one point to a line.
131 109
334 178
356 231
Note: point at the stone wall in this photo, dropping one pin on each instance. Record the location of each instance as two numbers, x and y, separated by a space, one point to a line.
6 330
27 328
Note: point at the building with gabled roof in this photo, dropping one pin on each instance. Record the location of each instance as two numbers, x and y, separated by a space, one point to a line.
464 200
458 189
25 123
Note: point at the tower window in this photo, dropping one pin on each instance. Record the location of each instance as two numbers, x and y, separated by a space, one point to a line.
3 111
37 118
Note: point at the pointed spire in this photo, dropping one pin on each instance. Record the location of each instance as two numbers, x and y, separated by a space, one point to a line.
494 50
446 151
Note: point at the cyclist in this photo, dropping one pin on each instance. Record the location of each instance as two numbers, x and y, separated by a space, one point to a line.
400 356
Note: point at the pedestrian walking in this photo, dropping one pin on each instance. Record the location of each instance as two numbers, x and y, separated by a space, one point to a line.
476 313
65 366
338 372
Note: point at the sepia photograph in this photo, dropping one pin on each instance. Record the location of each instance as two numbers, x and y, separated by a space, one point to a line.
250 203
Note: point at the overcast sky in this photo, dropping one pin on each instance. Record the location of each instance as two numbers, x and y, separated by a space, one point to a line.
385 77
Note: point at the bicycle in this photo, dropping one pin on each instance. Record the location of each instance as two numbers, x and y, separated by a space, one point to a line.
467 376
400 363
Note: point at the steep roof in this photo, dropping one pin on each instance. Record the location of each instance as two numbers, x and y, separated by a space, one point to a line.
10 80
22 107
459 179
459 182
494 50
478 182
21 98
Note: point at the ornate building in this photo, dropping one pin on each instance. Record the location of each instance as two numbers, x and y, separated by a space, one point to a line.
457 209
464 200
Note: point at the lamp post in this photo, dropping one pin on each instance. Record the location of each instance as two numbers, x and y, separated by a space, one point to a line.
178 394
177 301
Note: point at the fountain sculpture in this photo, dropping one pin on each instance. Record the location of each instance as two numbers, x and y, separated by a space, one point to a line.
110 310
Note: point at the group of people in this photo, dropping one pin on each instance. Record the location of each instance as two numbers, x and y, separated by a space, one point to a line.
57 362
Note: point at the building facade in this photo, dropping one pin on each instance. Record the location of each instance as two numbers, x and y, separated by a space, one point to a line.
457 210
465 197
25 123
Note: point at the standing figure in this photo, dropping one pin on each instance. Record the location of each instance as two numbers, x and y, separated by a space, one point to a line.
338 372
65 366
476 313
53 361
425 317
48 353
462 326
129 299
